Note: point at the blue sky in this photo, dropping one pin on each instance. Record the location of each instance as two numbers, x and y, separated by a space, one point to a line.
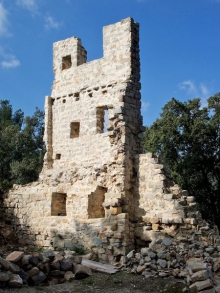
179 45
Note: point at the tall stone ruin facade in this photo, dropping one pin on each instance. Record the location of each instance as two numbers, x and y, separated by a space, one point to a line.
96 189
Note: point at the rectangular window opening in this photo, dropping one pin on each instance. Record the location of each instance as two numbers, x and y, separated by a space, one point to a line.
58 204
74 129
102 119
66 62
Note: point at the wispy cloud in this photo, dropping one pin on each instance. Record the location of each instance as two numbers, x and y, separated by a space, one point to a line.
30 5
51 23
12 63
195 90
145 106
188 86
4 23
9 60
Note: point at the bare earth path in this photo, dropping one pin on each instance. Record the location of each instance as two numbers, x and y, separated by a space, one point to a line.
102 283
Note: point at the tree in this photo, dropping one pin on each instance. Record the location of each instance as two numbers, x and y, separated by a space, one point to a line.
21 146
187 136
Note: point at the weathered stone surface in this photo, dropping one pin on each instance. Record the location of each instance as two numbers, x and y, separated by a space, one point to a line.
66 265
4 277
15 256
69 276
197 266
82 271
24 276
140 269
212 290
201 285
162 263
217 289
34 271
55 265
200 276
49 254
4 263
15 281
14 268
33 260
38 278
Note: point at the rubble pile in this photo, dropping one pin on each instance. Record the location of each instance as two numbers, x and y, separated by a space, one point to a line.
196 262
47 268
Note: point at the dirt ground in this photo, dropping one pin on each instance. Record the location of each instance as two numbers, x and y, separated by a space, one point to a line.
122 282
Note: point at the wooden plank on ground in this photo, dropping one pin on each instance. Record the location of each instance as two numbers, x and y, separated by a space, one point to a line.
99 267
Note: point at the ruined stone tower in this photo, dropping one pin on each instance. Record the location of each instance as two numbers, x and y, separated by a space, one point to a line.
95 189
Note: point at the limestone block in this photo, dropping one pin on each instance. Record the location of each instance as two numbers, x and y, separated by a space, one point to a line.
115 210
200 276
201 285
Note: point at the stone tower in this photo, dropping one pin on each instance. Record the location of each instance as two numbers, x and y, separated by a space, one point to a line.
96 189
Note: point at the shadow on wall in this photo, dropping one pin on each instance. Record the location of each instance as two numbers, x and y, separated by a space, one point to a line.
11 227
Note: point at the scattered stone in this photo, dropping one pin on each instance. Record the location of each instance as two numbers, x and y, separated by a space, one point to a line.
34 271
200 285
15 281
38 279
15 256
82 271
69 276
15 269
4 277
200 276
4 263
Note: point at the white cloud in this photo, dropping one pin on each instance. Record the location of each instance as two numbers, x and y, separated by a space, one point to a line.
188 86
145 106
9 60
4 21
51 23
30 5
201 90
11 63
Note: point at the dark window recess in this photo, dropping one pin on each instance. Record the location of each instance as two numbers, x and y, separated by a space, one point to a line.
74 129
58 156
58 204
66 62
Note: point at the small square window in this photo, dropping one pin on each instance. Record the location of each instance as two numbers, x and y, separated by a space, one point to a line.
66 62
58 156
74 129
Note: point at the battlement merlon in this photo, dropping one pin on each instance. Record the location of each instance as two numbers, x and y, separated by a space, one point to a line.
120 49
67 54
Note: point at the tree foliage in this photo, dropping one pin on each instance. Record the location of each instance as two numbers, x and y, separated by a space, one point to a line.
21 146
187 136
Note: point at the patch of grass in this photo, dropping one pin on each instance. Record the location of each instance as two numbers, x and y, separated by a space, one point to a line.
174 288
79 250
40 249
38 288
87 281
